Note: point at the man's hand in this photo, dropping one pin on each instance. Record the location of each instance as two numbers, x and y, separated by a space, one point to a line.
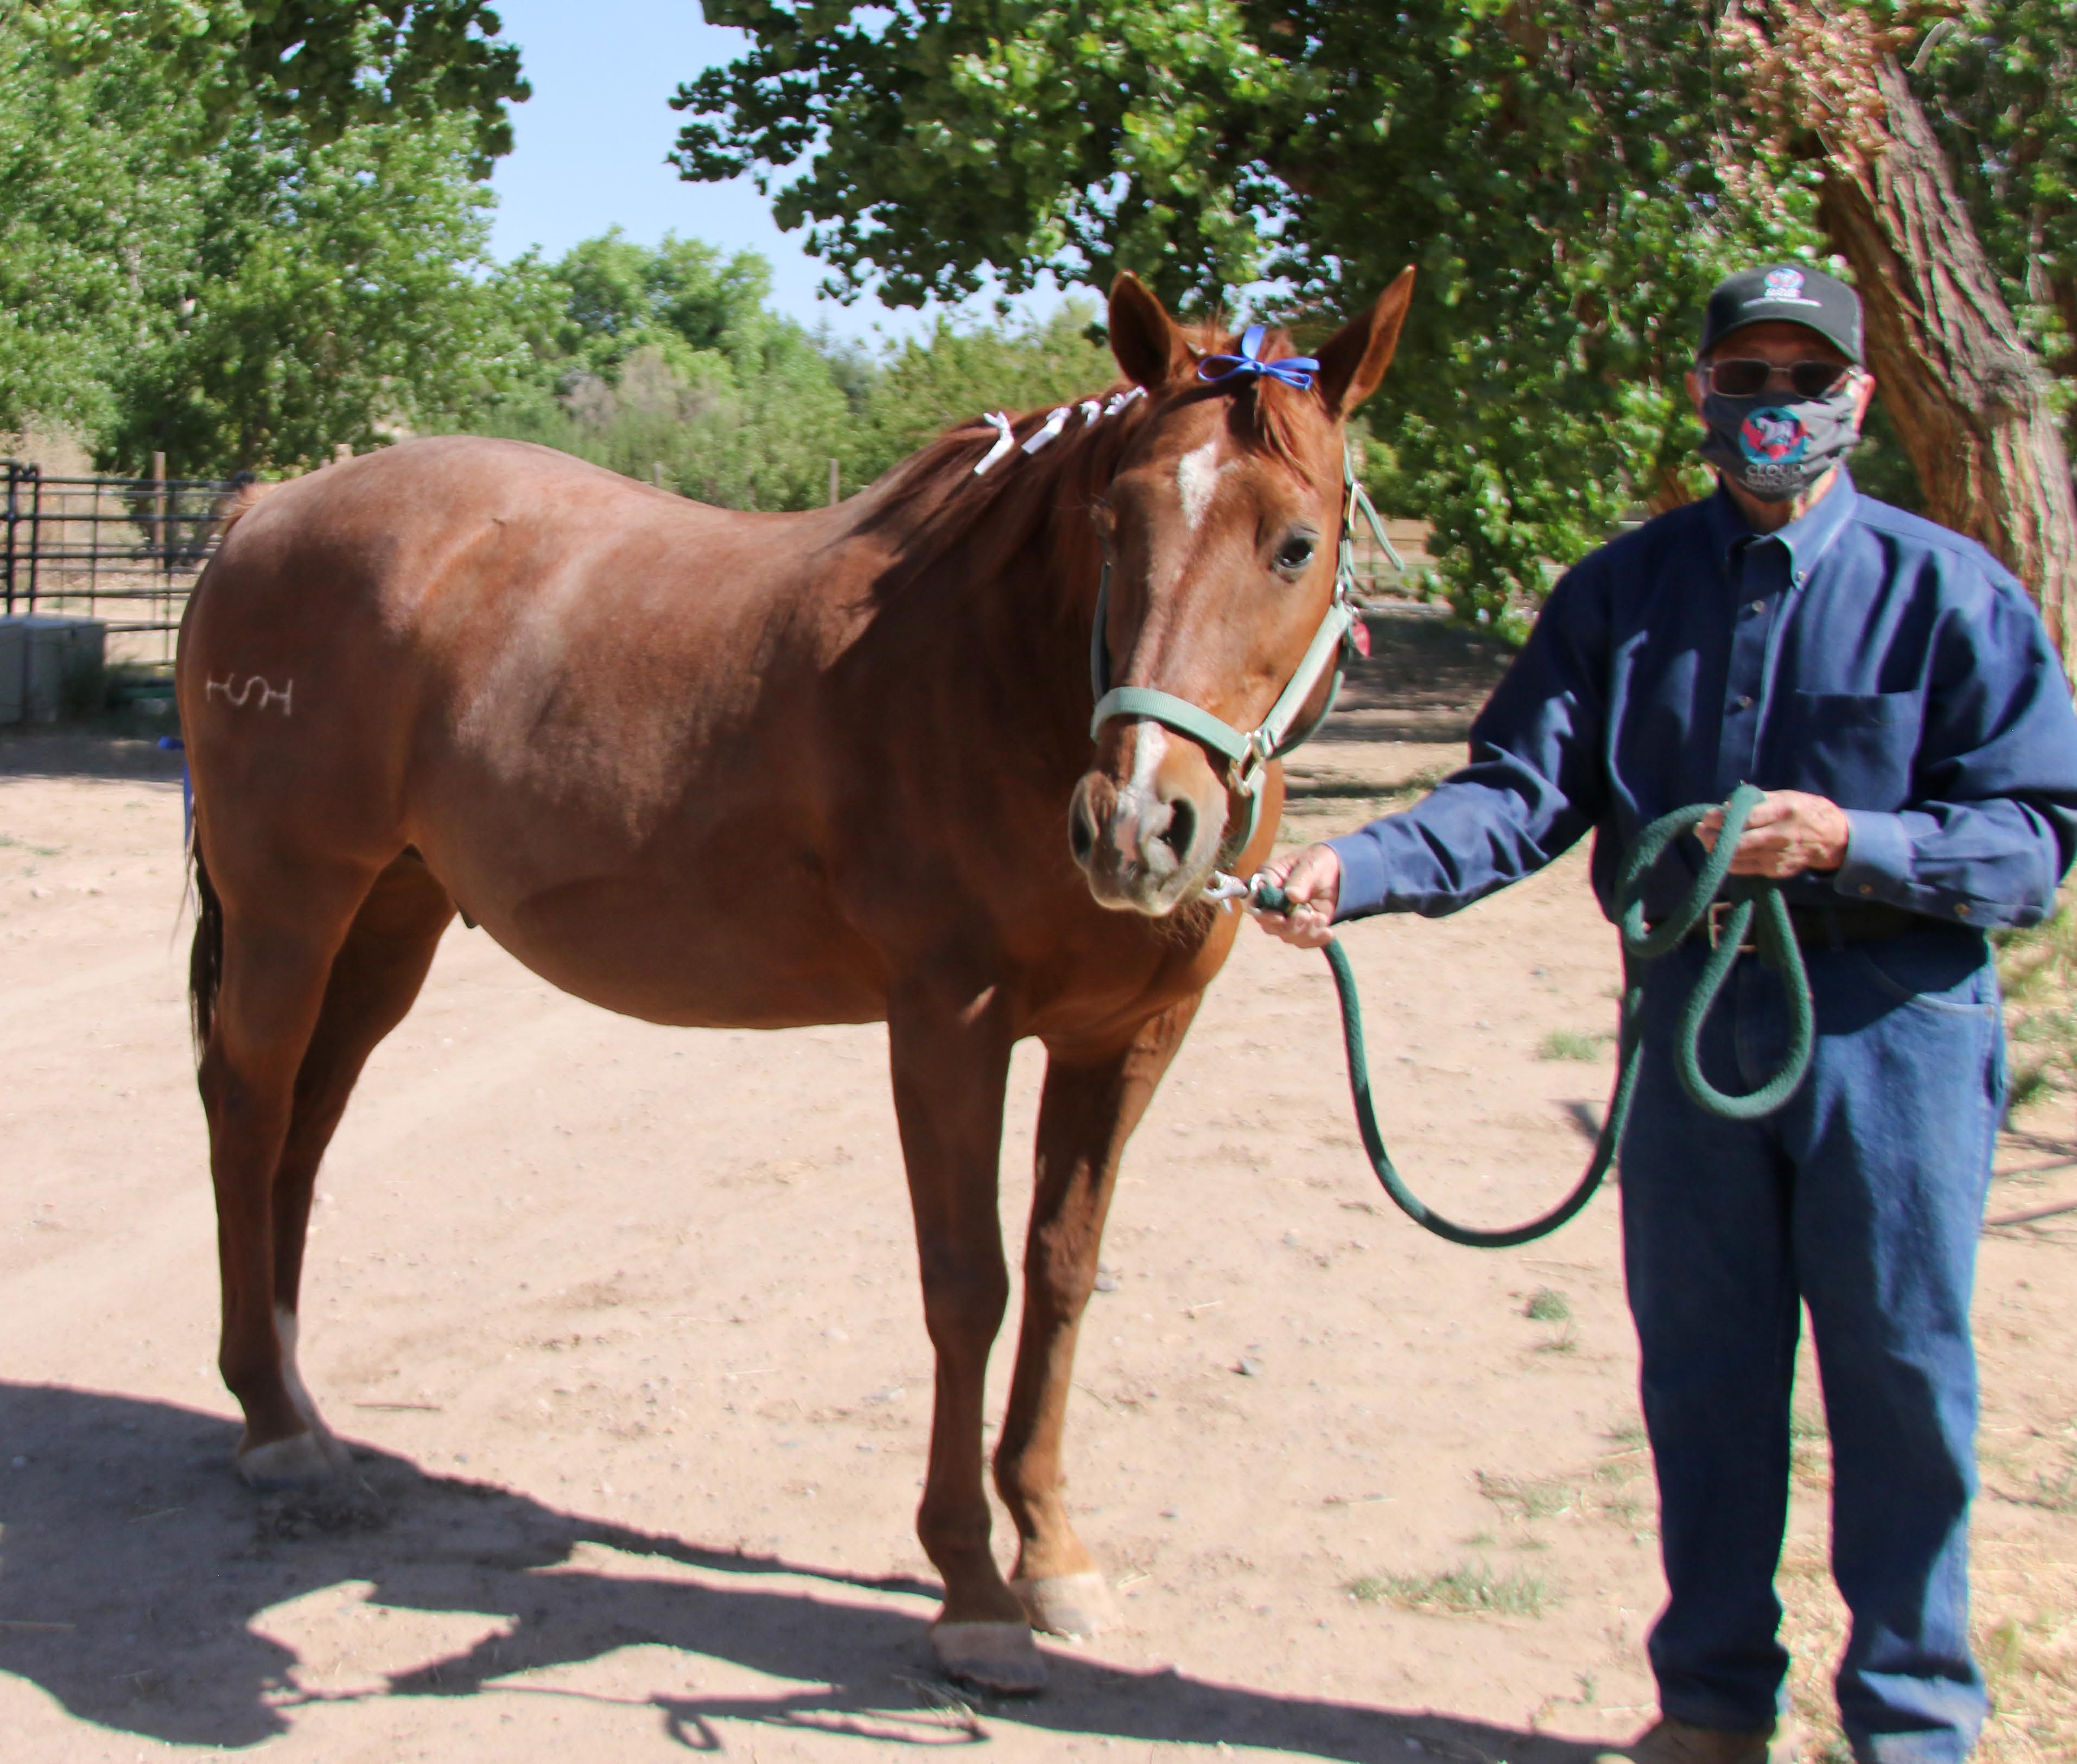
1313 881
1789 832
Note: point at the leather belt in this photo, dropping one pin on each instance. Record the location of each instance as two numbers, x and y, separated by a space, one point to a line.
1822 927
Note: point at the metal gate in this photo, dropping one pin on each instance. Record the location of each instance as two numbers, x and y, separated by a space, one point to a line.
123 549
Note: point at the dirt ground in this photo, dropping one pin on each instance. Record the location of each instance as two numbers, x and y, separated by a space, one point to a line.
623 1324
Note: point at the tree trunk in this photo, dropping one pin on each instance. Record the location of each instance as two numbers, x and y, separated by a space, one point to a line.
1969 399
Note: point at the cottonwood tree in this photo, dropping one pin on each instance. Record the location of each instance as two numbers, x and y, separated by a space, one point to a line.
1969 395
1569 177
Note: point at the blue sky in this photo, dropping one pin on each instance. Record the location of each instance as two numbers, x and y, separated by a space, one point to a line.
590 148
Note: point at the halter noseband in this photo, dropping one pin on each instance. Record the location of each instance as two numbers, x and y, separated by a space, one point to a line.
1247 755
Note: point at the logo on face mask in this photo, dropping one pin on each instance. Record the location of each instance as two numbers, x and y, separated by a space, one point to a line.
1774 437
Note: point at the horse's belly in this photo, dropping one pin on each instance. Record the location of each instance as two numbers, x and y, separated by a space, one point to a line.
678 952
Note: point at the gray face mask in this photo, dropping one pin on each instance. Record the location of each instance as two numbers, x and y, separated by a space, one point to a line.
1775 447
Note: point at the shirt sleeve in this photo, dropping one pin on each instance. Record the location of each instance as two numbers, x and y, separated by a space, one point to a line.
1991 826
1536 781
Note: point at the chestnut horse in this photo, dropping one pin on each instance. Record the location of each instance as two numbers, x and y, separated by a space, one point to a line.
604 721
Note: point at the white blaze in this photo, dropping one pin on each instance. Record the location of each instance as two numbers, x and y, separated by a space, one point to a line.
1150 743
1197 477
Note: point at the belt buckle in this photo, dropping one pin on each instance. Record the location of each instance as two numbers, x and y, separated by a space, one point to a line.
1720 913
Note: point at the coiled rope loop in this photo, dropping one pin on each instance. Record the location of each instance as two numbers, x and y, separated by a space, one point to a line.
1742 896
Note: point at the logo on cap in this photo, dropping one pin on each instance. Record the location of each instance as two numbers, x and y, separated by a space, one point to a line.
1777 437
1783 287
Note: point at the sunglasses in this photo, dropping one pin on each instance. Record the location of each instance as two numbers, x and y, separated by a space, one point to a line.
1742 377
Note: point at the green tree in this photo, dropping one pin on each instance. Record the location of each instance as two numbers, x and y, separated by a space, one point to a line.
71 221
929 384
327 63
236 296
1549 173
668 361
323 295
1569 178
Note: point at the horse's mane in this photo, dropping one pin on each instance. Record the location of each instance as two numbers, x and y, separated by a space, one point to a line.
937 496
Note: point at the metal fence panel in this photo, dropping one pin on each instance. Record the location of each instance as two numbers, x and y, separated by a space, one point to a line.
124 550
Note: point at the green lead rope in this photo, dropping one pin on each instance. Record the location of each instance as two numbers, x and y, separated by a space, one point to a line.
1775 942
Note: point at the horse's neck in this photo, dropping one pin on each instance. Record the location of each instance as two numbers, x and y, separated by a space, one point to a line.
1030 616
1011 599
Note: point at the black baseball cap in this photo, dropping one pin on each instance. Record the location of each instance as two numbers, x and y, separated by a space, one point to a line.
1790 292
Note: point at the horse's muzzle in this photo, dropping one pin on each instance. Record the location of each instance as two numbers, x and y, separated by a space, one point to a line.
1146 847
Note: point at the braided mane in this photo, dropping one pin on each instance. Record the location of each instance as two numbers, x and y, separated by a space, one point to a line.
1008 508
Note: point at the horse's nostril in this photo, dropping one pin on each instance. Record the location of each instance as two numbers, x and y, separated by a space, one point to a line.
1081 830
1181 832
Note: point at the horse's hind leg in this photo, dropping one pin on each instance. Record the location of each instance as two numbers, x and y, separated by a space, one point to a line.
276 930
1087 1111
375 977
275 1017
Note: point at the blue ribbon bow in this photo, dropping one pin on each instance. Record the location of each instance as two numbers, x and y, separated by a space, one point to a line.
1294 371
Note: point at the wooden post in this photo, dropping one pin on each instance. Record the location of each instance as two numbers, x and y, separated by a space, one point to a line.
342 451
162 525
656 473
834 498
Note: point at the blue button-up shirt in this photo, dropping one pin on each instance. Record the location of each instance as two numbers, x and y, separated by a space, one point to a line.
1860 653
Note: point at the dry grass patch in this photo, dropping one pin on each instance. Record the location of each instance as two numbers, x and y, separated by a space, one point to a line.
1471 1589
1523 1497
1571 1044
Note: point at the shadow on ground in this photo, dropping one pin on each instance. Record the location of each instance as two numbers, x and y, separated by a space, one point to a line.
134 1569
120 746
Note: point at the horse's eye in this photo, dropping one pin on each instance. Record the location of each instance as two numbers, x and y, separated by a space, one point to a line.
1295 553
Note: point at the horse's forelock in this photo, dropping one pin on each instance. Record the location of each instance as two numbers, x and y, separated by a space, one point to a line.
1267 415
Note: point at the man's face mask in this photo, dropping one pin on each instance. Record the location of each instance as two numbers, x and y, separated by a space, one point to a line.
1775 445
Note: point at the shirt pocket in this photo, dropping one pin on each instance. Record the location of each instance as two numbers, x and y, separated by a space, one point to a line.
1857 748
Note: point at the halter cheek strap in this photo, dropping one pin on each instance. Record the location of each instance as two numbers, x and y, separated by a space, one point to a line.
1248 754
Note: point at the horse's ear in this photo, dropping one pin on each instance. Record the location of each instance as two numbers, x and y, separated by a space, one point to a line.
1354 359
1148 344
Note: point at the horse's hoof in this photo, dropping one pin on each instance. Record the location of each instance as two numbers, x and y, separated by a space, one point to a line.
1073 1605
302 1461
1001 1658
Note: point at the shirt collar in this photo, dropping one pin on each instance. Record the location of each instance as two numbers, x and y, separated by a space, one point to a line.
1806 540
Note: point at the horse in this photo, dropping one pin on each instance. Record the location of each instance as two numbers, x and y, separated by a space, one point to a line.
603 722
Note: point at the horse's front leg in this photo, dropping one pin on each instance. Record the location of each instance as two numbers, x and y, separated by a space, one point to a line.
950 1059
1090 1106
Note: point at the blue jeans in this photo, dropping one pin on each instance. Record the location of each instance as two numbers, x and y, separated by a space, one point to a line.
1862 1198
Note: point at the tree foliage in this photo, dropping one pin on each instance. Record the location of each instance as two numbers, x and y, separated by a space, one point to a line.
324 295
953 374
329 64
2000 82
1546 166
1570 177
247 304
667 362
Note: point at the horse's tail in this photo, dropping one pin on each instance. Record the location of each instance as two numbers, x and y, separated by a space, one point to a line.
205 959
238 503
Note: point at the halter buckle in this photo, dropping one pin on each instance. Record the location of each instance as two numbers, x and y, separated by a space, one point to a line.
1248 769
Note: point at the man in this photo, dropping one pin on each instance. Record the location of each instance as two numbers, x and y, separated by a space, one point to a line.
1892 689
